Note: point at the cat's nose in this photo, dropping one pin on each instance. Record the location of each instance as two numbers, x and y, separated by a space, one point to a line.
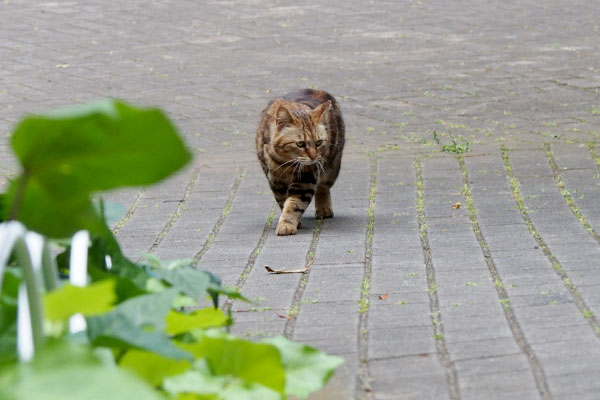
312 153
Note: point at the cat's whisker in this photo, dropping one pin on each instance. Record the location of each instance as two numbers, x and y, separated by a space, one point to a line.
300 171
321 168
287 162
294 164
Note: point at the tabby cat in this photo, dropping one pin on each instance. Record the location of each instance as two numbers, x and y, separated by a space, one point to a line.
299 143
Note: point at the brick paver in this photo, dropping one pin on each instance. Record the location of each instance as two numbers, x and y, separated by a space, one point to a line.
495 299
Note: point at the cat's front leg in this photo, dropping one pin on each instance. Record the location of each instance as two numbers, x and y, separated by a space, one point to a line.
323 202
292 211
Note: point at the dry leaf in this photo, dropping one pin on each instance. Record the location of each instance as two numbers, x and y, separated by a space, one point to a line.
283 316
383 296
290 271
456 206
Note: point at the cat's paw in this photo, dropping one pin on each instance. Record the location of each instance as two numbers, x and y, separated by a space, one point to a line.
285 229
324 213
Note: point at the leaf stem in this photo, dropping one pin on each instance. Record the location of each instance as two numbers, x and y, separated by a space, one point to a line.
49 268
33 292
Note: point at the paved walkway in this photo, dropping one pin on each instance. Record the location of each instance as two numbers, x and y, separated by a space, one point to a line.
496 299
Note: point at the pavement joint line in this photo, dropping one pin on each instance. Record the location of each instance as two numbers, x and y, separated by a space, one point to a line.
288 330
434 308
186 195
556 264
534 363
592 148
567 194
130 211
224 213
253 255
364 390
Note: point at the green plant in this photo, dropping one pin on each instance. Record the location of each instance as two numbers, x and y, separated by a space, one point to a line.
152 330
456 146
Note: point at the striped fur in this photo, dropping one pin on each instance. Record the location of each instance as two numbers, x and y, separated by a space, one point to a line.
299 143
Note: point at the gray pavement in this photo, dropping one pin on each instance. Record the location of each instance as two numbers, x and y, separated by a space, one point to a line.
496 299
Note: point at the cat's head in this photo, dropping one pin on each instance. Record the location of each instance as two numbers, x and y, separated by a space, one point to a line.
298 133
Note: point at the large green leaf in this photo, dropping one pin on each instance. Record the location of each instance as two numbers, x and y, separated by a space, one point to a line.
96 298
152 367
113 211
104 244
188 280
97 147
201 381
52 216
118 332
192 282
148 311
67 155
63 371
251 362
306 368
137 323
205 318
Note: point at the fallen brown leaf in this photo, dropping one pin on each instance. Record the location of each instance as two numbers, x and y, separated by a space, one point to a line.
456 206
290 271
383 296
283 316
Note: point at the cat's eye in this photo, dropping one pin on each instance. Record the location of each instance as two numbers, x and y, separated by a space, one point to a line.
318 143
301 143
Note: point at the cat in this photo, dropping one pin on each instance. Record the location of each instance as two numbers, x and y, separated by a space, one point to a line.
299 143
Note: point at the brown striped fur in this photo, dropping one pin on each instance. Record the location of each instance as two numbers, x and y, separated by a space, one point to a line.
299 143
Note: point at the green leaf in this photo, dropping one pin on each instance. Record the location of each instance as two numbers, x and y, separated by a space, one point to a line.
51 216
201 381
306 368
113 211
205 318
68 155
188 280
64 371
118 332
104 244
152 367
94 299
137 323
99 146
227 355
230 292
148 311
192 282
191 396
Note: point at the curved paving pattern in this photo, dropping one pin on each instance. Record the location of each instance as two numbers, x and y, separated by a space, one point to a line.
498 298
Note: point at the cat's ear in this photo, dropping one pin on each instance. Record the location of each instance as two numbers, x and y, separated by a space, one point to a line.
284 118
318 113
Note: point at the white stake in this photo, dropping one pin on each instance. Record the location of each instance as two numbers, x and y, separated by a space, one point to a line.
78 273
